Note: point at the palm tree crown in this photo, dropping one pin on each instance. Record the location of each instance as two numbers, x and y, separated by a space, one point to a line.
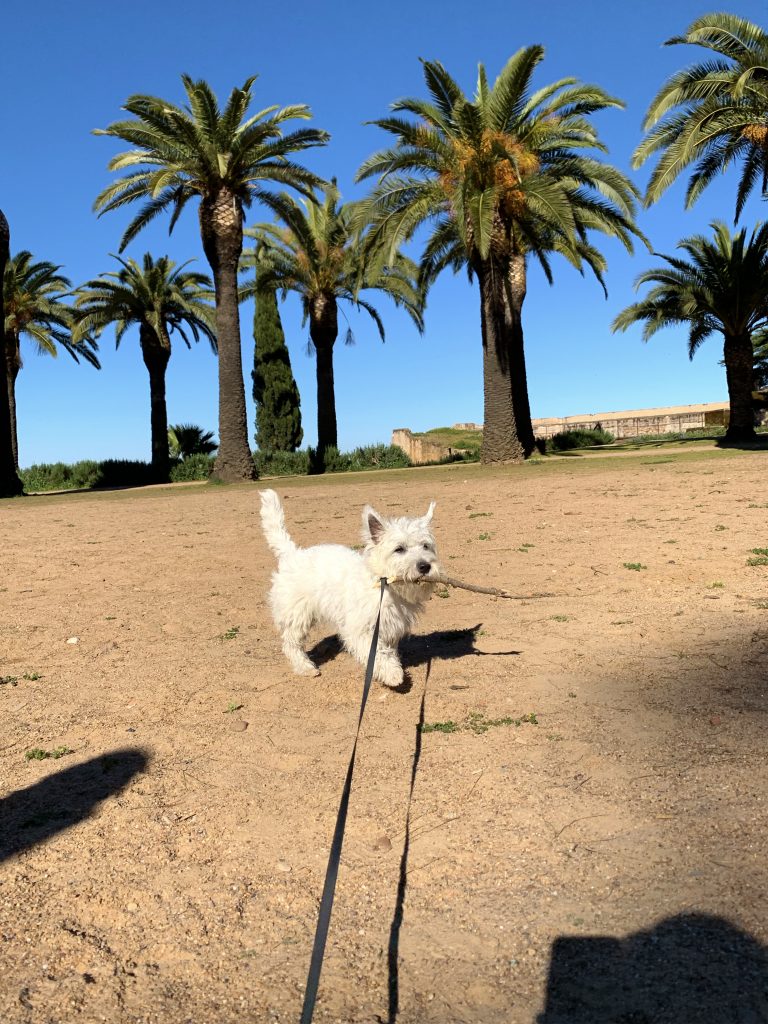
713 113
35 308
501 173
158 293
202 150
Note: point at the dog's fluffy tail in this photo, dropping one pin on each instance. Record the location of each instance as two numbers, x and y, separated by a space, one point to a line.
273 524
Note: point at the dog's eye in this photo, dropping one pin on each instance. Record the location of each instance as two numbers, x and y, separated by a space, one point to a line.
426 547
400 549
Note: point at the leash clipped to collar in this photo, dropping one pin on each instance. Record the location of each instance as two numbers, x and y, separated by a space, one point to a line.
332 871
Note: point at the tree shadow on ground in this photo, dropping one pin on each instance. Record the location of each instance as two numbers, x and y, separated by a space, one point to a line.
688 969
30 816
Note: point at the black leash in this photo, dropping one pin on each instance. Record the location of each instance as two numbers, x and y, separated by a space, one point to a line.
332 871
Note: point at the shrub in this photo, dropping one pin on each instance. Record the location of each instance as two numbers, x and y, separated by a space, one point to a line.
569 439
282 463
58 476
303 463
194 467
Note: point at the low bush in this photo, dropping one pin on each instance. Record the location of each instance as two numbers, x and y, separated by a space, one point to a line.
307 462
59 476
194 467
569 439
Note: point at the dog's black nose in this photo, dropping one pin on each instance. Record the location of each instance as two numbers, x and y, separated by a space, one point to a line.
424 568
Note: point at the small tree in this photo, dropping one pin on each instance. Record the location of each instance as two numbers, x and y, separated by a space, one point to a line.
278 406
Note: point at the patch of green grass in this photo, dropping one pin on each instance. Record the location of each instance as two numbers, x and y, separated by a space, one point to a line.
232 706
448 726
635 566
231 633
759 551
719 528
9 680
32 677
760 560
716 585
443 593
560 618
761 604
477 723
38 754
478 515
484 536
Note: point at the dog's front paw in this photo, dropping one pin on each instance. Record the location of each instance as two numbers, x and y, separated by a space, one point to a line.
390 675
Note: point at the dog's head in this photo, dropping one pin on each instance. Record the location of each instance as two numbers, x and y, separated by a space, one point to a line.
401 548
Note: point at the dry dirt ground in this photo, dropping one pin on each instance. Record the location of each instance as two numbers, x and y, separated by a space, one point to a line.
604 864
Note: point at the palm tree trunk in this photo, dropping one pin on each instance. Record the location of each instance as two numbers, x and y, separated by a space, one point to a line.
221 226
13 365
10 484
501 442
156 356
323 329
518 287
738 356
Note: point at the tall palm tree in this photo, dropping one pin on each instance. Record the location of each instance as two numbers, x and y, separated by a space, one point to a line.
35 309
10 484
712 114
160 297
227 160
499 179
319 255
720 286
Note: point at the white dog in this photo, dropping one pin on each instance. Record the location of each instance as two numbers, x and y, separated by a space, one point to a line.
333 584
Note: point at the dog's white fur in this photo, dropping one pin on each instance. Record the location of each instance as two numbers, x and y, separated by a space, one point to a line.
334 584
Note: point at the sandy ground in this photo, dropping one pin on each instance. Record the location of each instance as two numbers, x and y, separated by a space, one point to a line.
607 864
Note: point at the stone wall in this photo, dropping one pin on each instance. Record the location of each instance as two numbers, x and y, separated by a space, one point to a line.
417 449
632 423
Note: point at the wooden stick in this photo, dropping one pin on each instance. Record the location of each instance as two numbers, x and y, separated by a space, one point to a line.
493 591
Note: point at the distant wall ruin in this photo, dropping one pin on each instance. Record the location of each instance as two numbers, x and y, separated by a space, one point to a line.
631 423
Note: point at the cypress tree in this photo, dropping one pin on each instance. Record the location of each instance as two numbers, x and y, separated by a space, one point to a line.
278 412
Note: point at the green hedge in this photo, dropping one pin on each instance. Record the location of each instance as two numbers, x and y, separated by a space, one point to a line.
569 439
306 462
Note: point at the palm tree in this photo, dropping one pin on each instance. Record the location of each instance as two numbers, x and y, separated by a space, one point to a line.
722 286
499 179
319 255
10 484
226 160
160 297
35 309
713 113
185 439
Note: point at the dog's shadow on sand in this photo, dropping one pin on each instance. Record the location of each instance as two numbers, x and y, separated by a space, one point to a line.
444 645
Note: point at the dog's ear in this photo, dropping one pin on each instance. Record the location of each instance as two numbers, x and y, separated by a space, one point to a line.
428 517
373 527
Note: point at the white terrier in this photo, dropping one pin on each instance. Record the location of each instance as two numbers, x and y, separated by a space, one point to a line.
336 585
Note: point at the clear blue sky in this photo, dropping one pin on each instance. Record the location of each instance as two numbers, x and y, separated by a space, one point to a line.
66 69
